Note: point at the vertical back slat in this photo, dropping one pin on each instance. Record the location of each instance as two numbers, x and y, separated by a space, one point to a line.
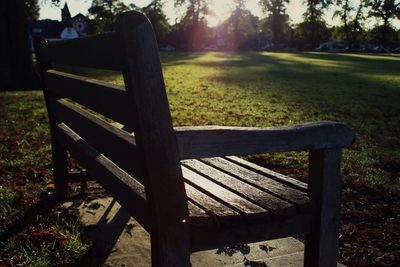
59 153
156 140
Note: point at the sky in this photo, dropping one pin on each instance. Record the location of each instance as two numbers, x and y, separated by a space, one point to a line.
221 8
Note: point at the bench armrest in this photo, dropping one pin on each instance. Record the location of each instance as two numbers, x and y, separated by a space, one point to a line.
215 141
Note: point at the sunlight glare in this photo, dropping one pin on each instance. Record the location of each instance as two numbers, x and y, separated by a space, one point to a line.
219 11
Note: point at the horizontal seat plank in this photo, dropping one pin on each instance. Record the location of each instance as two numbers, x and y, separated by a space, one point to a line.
269 173
263 182
210 236
105 52
106 99
116 144
218 141
248 209
210 206
253 194
123 187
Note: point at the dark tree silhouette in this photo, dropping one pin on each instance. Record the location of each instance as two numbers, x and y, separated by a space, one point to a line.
104 13
193 24
154 11
386 11
16 68
276 17
313 20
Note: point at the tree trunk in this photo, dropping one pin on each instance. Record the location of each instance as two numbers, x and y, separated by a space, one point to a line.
16 68
384 40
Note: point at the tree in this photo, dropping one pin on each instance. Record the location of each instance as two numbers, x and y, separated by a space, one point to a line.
193 23
380 32
344 13
306 31
16 68
158 19
241 26
313 21
352 27
385 11
104 13
277 20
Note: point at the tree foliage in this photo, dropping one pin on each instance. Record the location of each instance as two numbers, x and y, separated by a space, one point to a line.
193 23
277 20
154 11
313 21
243 25
385 11
16 69
104 13
351 31
240 29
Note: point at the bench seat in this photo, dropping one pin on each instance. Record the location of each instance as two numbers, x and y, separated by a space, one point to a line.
228 193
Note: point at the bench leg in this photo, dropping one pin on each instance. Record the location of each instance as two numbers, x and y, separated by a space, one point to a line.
169 253
324 188
60 165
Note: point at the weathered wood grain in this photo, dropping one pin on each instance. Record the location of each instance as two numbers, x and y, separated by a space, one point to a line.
59 153
277 206
123 187
212 207
103 51
217 141
213 236
325 191
269 173
262 182
221 194
104 98
156 141
114 143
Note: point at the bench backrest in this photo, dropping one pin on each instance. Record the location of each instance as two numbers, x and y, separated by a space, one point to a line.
151 155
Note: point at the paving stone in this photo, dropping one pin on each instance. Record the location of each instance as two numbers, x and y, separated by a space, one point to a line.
121 241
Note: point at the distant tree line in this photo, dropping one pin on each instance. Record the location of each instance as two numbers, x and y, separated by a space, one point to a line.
241 30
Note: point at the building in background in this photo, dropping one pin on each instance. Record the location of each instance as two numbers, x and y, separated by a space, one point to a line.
68 28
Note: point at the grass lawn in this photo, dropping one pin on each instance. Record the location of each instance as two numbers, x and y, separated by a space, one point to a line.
252 89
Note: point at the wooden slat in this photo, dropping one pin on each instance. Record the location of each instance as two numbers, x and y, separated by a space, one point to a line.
165 188
118 183
273 175
211 236
244 190
104 98
102 51
211 206
218 141
224 196
290 194
118 145
325 188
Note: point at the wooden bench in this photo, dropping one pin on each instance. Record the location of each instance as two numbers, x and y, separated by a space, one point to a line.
184 185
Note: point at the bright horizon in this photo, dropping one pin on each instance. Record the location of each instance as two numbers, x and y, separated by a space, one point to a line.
221 9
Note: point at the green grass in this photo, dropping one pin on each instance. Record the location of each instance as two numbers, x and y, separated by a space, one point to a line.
31 232
265 89
7 199
50 241
273 89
